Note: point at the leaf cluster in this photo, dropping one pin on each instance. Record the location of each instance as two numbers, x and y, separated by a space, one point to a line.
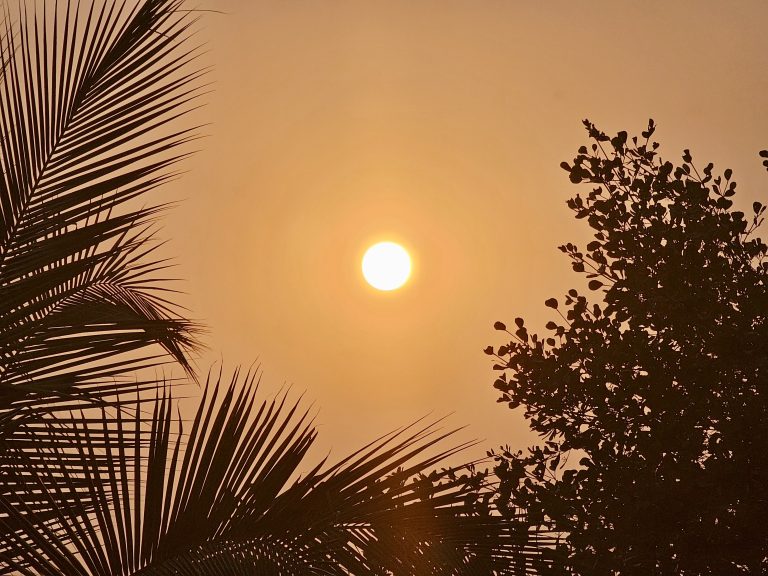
651 399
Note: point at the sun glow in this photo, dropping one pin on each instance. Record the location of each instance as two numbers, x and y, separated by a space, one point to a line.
386 266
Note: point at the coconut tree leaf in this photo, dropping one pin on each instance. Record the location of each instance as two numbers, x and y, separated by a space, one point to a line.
90 105
223 498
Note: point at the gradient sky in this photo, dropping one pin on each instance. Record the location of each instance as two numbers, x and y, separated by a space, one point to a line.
440 125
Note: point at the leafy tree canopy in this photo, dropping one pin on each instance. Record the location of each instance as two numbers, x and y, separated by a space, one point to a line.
651 397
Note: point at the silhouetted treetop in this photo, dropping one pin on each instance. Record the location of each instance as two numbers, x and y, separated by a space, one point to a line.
659 387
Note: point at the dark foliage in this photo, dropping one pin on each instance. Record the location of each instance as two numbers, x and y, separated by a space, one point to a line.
90 101
651 398
220 497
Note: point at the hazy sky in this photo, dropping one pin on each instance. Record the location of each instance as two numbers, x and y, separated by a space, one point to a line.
440 125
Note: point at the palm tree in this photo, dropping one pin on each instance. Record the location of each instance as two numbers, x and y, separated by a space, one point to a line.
96 473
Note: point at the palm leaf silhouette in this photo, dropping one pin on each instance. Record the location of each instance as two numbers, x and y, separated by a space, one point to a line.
220 501
88 101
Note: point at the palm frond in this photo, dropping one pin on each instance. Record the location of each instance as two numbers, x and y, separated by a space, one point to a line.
219 500
90 103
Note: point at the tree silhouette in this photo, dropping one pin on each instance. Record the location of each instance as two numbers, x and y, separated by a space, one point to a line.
660 388
98 476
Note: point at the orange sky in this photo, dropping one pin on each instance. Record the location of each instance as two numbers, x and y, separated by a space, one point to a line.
440 125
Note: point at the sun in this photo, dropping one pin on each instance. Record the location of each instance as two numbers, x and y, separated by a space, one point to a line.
386 266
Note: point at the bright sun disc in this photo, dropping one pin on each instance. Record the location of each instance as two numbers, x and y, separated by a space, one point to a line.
386 266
